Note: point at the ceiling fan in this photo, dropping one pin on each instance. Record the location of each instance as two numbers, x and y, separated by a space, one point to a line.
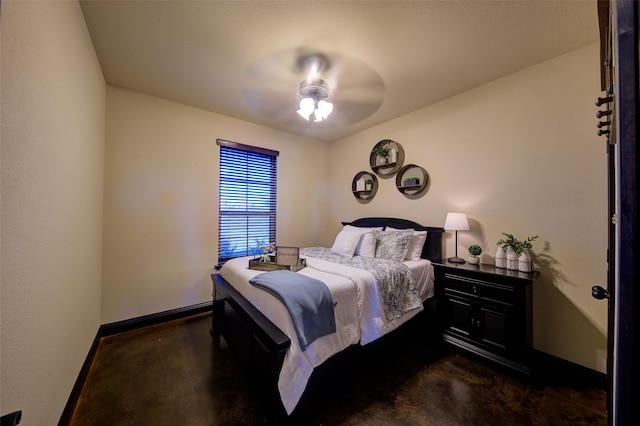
276 84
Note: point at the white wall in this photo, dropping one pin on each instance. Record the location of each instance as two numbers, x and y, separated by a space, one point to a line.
161 200
518 155
53 108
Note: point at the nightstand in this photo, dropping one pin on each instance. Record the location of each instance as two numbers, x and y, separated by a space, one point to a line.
487 311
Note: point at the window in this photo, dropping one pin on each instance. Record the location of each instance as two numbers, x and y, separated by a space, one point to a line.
247 199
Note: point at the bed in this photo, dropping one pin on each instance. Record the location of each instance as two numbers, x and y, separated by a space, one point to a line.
260 331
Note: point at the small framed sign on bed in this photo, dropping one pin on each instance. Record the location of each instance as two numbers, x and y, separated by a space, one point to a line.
259 328
287 255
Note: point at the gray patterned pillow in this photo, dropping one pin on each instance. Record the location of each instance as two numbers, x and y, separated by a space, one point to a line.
392 245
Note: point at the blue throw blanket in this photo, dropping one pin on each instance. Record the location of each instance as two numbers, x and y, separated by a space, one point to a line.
307 299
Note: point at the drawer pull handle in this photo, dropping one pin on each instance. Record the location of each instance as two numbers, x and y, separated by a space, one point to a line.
475 289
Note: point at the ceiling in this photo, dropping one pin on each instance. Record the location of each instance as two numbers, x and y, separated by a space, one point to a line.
202 53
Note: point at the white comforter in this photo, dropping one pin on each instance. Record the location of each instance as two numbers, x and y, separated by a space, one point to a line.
358 312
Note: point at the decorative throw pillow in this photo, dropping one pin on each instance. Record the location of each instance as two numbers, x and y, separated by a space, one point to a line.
345 243
416 243
392 245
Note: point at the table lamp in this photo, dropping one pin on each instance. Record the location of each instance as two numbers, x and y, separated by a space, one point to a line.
456 222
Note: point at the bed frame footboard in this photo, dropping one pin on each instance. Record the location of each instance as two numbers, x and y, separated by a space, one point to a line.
257 343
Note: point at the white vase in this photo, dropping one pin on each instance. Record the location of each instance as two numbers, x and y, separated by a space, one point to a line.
474 260
383 160
512 260
524 262
501 258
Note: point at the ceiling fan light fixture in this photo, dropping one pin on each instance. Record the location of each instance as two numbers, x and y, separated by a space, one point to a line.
323 110
316 100
307 105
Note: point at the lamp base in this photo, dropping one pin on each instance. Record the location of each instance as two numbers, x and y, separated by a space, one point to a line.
456 260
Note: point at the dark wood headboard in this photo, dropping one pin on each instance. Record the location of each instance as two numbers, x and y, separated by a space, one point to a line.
432 249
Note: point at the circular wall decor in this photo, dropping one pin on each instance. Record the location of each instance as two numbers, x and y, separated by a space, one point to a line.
412 179
361 187
389 164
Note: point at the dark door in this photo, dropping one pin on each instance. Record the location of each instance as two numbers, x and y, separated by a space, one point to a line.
619 25
626 392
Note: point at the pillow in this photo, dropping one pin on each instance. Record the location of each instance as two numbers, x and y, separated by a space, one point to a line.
367 245
416 243
346 243
360 229
392 245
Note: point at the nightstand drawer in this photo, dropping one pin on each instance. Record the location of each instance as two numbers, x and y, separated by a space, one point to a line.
470 287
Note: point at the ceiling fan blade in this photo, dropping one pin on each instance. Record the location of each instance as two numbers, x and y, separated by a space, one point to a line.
279 66
272 85
352 112
270 103
363 93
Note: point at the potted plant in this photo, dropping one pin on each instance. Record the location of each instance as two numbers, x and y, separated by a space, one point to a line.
382 151
411 181
522 246
515 249
368 184
508 246
522 249
474 252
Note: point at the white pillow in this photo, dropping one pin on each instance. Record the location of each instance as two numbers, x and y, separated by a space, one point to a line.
367 244
346 243
416 243
360 229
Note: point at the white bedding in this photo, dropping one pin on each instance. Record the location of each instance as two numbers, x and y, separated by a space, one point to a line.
358 313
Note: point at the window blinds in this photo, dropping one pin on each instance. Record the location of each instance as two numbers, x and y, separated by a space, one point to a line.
247 203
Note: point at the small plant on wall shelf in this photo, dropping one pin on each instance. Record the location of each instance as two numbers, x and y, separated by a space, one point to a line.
411 181
381 151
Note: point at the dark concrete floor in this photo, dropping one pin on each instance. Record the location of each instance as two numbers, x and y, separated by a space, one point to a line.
177 374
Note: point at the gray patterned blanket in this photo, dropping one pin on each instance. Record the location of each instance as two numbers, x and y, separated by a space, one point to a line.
395 282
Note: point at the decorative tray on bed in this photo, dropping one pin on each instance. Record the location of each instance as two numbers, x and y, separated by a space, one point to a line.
273 266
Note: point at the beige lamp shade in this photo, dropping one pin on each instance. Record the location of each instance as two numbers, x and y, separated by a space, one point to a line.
456 222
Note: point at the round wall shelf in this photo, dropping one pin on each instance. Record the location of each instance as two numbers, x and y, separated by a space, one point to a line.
390 165
359 187
407 187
